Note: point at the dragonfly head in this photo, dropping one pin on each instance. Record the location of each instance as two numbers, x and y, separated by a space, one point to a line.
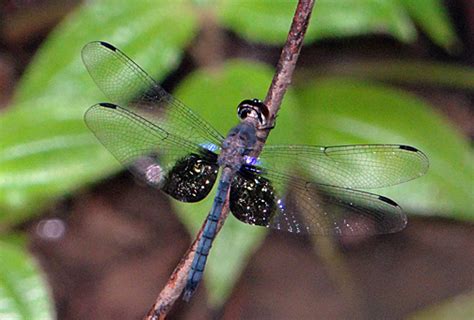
253 108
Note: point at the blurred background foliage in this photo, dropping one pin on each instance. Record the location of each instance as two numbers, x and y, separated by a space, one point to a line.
46 151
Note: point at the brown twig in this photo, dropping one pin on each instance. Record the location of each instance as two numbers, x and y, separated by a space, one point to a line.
281 81
177 281
286 65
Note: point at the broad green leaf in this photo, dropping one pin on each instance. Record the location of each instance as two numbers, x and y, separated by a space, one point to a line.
433 18
45 154
23 292
215 95
149 31
268 21
45 148
341 111
459 308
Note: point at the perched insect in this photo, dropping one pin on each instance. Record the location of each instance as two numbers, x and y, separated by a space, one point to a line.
296 188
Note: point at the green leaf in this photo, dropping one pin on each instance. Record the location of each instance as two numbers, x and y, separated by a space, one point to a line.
45 148
341 111
459 308
268 21
45 154
23 292
433 19
140 28
218 92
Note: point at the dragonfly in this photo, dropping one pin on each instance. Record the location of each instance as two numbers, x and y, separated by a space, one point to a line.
302 189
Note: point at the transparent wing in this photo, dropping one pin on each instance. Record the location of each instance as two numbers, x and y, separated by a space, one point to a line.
271 199
181 168
355 166
129 86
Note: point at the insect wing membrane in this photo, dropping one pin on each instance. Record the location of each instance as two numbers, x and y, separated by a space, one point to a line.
180 168
299 206
129 86
353 166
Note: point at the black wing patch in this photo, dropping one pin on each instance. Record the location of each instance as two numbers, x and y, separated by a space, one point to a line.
180 168
252 197
285 202
192 177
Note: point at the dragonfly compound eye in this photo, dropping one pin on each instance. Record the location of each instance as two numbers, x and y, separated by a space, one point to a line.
255 109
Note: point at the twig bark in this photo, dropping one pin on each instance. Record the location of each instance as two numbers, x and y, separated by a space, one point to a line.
286 65
281 81
177 281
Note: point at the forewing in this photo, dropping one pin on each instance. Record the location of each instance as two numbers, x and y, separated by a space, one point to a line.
181 168
355 166
129 86
282 202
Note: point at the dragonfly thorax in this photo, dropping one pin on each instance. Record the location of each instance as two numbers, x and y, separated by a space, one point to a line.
239 143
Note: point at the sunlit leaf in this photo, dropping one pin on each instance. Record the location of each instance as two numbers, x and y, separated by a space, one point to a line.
338 111
45 148
140 28
23 292
269 21
433 18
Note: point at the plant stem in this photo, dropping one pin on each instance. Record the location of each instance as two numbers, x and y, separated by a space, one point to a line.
281 81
